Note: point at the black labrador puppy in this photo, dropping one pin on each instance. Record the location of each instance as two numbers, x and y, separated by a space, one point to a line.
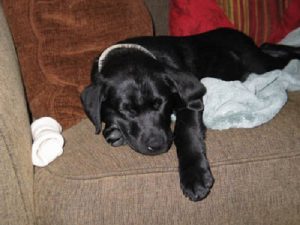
138 83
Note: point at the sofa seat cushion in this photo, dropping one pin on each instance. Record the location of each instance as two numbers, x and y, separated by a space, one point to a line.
96 181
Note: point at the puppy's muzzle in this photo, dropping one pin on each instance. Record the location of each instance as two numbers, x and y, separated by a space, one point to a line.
154 143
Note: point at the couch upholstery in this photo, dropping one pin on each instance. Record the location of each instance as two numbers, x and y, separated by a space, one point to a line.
61 40
16 171
256 170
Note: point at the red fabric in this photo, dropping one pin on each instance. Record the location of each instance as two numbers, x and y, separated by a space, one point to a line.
290 21
261 20
191 17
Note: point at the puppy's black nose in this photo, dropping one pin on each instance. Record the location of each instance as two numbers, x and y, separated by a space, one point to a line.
155 143
150 148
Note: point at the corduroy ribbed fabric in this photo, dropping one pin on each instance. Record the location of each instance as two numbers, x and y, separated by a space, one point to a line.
57 42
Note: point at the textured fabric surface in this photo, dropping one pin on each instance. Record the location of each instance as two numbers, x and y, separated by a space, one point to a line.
159 11
194 17
259 19
256 193
248 104
256 171
264 21
290 20
57 42
16 172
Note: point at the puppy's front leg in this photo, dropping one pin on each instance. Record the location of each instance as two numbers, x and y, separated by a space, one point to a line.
194 170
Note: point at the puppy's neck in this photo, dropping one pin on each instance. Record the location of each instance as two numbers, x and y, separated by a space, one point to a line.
106 52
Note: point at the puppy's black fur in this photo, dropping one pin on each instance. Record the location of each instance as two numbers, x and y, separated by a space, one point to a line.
135 94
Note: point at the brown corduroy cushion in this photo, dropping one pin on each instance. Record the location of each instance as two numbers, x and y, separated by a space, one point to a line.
57 41
256 171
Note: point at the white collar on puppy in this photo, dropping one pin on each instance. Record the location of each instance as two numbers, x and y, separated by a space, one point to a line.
109 49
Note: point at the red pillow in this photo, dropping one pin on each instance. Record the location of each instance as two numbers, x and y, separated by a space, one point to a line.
290 21
264 21
192 17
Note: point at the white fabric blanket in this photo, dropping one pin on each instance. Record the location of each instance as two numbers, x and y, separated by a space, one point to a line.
256 101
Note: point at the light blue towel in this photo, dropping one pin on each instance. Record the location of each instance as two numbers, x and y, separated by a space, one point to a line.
256 101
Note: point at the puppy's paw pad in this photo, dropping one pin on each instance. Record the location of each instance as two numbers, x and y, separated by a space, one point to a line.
196 185
195 192
208 180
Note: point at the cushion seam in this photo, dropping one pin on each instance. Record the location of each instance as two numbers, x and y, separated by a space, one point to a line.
157 170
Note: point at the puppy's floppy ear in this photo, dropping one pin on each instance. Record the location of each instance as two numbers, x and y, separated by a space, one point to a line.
91 98
187 86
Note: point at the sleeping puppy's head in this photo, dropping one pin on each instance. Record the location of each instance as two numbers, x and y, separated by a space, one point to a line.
134 94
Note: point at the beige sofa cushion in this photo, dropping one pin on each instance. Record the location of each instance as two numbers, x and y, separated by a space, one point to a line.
256 170
16 171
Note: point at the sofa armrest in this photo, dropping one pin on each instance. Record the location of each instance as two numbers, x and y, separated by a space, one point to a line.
16 177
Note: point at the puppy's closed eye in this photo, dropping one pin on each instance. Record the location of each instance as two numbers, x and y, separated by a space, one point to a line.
129 109
156 104
134 110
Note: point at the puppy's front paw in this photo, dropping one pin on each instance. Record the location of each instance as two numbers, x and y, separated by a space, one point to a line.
196 182
113 136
